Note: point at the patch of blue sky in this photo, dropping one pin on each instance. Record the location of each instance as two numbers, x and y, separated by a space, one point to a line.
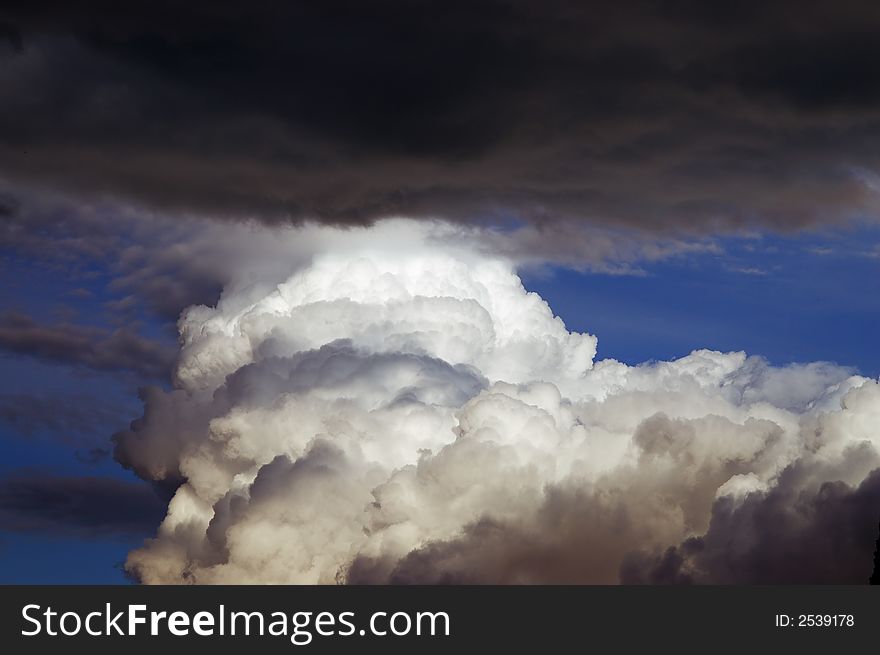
808 297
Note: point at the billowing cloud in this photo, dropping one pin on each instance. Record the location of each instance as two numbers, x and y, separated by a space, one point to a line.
400 409
819 530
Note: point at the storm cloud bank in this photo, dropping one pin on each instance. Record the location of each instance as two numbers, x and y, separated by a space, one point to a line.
655 116
400 409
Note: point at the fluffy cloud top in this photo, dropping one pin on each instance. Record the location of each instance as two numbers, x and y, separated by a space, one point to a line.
401 409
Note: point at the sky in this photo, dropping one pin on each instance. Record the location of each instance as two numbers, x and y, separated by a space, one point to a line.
271 276
806 298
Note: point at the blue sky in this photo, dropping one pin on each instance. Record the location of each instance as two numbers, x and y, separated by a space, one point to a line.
50 295
814 296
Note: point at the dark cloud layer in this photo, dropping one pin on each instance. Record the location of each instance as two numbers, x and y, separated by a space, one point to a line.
80 506
95 348
684 115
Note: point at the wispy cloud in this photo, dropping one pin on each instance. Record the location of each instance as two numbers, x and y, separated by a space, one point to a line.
78 506
121 349
746 270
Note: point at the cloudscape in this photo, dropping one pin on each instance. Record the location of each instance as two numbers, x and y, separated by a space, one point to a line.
408 293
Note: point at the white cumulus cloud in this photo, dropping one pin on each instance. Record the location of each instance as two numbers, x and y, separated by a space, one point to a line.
401 409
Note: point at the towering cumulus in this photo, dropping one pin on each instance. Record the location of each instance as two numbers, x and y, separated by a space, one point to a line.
400 409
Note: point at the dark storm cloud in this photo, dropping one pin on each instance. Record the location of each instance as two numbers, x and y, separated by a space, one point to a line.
79 506
779 537
96 348
7 206
684 115
11 36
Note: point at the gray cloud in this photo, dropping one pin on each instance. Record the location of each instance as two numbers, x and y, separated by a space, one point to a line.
95 348
666 118
79 506
820 533
788 535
